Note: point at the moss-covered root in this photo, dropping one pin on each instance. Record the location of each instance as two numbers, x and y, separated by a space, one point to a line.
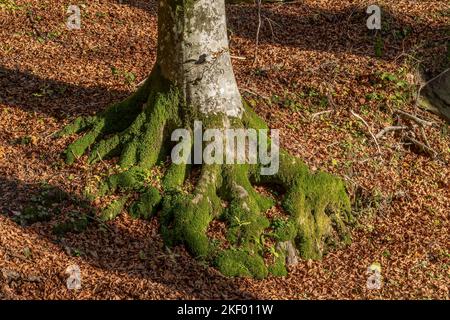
245 212
134 128
246 220
318 205
147 204
241 263
185 217
116 118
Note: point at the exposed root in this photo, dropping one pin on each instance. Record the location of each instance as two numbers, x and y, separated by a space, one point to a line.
137 131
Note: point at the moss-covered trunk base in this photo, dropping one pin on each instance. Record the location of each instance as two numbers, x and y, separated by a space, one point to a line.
138 132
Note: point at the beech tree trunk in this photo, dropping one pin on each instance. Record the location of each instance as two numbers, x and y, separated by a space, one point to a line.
193 53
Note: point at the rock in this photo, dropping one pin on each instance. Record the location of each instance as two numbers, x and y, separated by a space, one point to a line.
436 96
291 253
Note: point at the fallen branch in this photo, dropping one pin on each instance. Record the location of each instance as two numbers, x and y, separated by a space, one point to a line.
422 146
390 129
368 127
414 118
142 82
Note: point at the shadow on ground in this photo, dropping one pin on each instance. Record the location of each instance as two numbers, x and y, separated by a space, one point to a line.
111 246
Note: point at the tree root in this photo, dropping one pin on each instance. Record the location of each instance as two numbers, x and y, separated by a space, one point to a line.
137 131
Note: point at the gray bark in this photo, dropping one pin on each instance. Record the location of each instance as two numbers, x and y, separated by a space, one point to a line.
193 53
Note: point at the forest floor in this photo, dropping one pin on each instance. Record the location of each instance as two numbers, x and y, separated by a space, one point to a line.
316 64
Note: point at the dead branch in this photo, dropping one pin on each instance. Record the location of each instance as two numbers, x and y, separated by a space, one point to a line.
414 118
390 129
423 147
369 129
142 82
238 58
256 94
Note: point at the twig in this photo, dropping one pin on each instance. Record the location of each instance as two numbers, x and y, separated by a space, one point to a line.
314 115
414 118
271 27
424 136
256 94
368 127
142 82
258 31
422 146
36 30
99 221
100 157
389 129
238 58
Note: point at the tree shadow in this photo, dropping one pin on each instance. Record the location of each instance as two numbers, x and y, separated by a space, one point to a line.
55 98
343 31
112 246
338 31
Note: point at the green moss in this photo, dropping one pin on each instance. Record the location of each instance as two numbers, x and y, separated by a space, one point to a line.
251 120
185 218
174 177
183 221
150 144
76 223
317 202
133 179
113 209
79 146
116 118
245 212
34 213
113 145
78 125
278 268
147 204
241 263
128 157
285 230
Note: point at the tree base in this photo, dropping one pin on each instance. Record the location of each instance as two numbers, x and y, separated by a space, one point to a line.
138 130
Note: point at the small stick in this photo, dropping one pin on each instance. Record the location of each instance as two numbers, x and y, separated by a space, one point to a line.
258 31
389 129
256 94
142 82
368 127
238 58
424 136
319 113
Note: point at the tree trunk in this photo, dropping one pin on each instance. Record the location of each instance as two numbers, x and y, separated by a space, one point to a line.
193 54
